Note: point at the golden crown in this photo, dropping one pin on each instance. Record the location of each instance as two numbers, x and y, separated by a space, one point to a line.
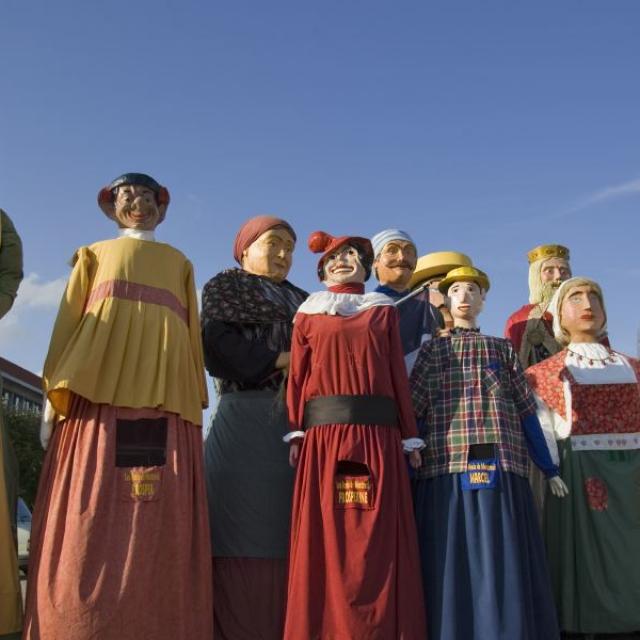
547 251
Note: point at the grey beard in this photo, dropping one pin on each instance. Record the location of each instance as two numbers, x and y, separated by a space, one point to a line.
547 291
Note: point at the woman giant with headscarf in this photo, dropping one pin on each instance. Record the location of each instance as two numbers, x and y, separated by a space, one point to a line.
589 405
246 330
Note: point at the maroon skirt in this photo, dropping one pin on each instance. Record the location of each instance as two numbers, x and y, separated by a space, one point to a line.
255 585
120 543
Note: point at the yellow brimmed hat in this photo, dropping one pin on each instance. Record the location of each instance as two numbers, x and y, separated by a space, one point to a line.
465 274
548 251
437 264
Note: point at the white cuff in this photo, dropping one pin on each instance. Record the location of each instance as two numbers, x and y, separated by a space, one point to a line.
46 424
413 444
292 435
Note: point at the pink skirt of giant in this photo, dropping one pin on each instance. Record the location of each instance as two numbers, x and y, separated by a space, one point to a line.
119 553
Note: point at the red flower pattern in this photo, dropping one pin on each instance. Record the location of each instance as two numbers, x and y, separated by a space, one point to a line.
545 380
603 408
597 494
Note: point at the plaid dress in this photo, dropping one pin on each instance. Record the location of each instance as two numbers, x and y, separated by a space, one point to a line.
470 389
482 555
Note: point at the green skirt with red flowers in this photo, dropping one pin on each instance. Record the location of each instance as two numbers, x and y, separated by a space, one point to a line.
593 541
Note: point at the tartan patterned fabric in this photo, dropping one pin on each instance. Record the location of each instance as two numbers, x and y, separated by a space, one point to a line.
470 389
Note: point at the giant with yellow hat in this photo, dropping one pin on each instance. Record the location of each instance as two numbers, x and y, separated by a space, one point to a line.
465 274
436 264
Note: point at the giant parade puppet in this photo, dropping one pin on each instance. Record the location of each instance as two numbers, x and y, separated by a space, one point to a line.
431 269
120 540
246 330
589 403
353 563
394 262
482 553
529 328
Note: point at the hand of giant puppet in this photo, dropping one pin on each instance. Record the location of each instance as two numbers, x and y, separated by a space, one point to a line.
415 459
294 454
46 423
558 487
283 360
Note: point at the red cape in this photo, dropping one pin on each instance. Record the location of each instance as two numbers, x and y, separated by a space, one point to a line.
517 324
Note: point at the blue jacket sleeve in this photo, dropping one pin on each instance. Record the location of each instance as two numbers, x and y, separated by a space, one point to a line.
537 446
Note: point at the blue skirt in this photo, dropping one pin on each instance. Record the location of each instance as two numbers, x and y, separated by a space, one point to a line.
483 561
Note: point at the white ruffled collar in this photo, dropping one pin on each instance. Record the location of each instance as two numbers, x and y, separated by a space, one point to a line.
591 350
137 234
593 363
342 304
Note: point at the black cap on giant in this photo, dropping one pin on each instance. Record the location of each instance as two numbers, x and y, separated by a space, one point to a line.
135 178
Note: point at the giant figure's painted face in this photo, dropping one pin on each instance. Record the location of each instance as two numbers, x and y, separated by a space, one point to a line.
136 207
465 301
343 266
396 263
582 313
555 271
270 255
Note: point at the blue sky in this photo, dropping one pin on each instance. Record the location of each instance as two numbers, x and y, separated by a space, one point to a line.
485 127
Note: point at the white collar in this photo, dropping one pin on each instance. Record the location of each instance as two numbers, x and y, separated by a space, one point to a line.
342 304
593 363
137 234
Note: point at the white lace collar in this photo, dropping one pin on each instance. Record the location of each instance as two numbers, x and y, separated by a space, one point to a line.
137 234
342 304
593 363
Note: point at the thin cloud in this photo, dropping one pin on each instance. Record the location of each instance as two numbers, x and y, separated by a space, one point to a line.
35 293
35 307
604 195
10 331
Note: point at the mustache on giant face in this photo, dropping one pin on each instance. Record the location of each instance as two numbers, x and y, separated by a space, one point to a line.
400 263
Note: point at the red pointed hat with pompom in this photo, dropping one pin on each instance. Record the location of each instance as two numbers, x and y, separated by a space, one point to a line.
326 244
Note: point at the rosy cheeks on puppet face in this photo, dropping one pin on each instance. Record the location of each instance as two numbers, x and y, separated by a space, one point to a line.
343 266
582 315
465 301
136 208
270 255
396 263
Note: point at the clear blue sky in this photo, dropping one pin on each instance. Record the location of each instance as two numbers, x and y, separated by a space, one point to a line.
486 127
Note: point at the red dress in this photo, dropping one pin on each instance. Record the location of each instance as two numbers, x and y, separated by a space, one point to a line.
354 564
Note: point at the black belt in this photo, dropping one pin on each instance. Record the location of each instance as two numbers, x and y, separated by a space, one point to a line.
376 410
